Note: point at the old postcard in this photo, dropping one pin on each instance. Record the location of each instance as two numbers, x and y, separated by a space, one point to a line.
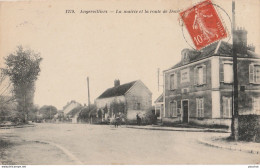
140 82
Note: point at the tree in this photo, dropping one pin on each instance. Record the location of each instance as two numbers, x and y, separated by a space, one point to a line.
85 113
23 68
48 112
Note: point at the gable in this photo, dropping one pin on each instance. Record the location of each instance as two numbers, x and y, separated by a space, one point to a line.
139 88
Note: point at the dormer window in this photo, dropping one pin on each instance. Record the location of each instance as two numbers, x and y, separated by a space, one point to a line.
185 56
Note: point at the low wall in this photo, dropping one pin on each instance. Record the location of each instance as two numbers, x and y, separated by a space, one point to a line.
171 120
211 122
249 127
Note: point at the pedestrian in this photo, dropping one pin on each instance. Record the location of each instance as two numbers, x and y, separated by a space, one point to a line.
117 121
137 119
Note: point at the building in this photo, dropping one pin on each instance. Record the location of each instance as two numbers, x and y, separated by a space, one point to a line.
128 100
158 108
70 106
198 89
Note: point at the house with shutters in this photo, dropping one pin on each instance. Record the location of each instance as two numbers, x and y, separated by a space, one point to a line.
199 88
127 100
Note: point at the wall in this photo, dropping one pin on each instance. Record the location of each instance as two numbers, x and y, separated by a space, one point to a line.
101 103
190 85
194 91
212 122
139 93
243 73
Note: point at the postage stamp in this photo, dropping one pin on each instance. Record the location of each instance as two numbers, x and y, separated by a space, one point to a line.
203 24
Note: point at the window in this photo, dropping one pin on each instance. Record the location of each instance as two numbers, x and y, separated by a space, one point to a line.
185 76
228 73
173 81
227 107
200 107
200 75
254 73
256 105
137 106
173 109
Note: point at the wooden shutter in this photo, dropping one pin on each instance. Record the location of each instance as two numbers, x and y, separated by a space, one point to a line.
169 82
204 74
224 106
195 76
175 81
221 72
251 73
197 107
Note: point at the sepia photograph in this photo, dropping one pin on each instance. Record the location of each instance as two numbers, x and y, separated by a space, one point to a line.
130 82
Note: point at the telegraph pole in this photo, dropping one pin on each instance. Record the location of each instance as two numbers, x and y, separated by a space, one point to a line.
88 97
88 93
234 124
158 76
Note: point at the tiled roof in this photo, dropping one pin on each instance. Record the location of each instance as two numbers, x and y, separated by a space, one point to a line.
117 91
224 49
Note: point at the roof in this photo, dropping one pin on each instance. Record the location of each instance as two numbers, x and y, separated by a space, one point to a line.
69 103
220 48
117 91
159 99
74 111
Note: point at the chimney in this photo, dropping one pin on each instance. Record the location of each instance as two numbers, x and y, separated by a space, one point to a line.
116 82
240 40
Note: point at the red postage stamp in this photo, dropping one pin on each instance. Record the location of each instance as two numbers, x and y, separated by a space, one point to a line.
203 24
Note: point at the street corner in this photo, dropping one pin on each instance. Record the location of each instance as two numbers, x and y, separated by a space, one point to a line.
224 142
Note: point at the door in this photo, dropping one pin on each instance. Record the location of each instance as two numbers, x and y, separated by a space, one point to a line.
185 108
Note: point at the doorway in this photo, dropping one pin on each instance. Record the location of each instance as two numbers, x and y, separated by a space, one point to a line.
185 109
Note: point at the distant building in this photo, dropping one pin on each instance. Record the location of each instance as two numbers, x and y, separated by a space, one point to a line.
70 106
199 88
130 99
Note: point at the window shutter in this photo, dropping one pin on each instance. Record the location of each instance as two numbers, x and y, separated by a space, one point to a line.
197 107
204 74
251 73
202 107
169 82
195 76
221 72
175 81
223 107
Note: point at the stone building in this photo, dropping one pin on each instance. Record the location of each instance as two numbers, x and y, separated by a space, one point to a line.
199 88
127 99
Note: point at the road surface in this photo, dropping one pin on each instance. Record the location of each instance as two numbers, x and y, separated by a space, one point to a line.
102 144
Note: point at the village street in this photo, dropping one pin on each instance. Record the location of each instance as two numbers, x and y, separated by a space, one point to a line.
104 144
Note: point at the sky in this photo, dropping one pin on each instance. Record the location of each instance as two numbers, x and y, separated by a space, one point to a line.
105 46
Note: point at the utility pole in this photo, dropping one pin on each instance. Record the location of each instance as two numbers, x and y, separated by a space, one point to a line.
158 76
234 124
88 97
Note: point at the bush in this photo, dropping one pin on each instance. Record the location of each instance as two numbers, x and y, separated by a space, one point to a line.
249 128
149 118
